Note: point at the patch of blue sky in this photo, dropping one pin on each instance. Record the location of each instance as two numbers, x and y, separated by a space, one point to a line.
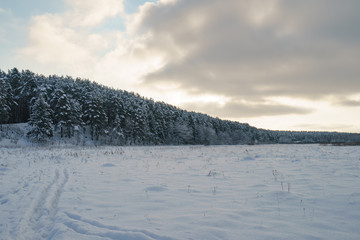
117 23
27 9
132 6
13 34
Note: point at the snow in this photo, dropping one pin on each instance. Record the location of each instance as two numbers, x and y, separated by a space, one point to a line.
180 192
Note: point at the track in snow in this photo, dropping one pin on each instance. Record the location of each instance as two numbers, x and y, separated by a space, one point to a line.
39 218
86 228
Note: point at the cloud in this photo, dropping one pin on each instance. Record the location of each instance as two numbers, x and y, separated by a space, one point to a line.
255 51
247 52
74 43
235 110
93 12
325 127
53 43
351 101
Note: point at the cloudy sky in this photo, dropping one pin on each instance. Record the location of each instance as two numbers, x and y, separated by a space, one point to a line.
276 64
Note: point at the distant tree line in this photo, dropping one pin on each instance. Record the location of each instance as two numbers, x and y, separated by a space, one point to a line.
68 106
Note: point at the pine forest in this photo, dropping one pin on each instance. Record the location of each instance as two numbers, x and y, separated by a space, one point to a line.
68 108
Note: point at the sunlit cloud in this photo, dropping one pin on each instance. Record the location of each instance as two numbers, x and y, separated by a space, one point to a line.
92 12
67 43
52 43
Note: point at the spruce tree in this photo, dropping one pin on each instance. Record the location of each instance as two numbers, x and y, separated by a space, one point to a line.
116 132
40 120
63 116
5 101
94 116
14 77
26 91
67 113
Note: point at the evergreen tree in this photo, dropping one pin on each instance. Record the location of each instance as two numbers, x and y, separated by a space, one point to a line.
116 132
113 106
64 115
128 122
160 122
94 116
4 103
76 115
14 77
26 91
182 132
155 122
138 115
40 120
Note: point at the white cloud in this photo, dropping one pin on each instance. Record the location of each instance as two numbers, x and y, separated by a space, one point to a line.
68 43
52 43
92 12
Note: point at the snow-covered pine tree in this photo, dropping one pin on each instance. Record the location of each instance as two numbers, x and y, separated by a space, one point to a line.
76 115
94 116
4 103
128 123
67 113
182 132
63 116
14 77
140 126
26 91
112 105
160 121
40 120
116 133
153 126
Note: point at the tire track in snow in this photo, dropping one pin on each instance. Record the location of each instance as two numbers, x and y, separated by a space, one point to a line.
39 218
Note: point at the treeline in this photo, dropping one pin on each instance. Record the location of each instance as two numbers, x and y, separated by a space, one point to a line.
69 107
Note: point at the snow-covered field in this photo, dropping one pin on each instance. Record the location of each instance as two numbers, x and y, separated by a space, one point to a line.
182 192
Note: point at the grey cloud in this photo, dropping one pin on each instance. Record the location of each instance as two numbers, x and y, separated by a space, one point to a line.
348 102
322 127
351 103
306 49
241 110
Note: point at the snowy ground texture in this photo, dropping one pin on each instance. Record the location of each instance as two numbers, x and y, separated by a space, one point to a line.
186 192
